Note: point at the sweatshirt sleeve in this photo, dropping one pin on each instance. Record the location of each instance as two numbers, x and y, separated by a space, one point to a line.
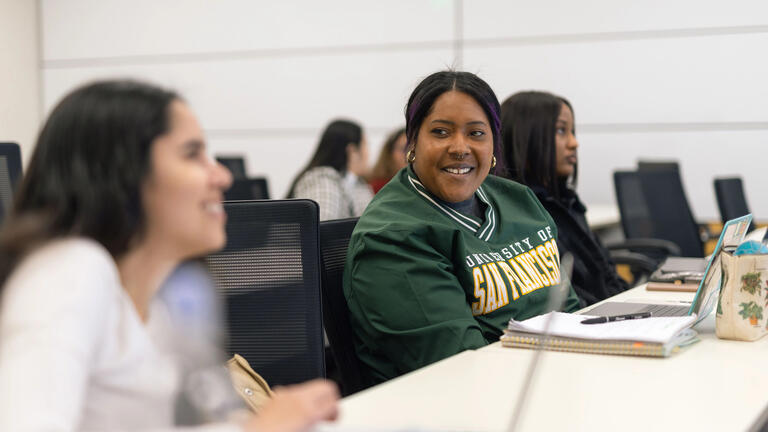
406 303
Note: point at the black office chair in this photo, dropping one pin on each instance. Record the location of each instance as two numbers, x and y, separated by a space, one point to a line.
657 165
334 239
10 175
641 256
653 205
248 189
269 277
235 165
731 199
705 233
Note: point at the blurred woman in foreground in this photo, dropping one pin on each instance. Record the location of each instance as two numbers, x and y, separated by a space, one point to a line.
119 190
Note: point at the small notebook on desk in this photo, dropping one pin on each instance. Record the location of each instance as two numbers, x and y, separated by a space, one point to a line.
652 337
672 286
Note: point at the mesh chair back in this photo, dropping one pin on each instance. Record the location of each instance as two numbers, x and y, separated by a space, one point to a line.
648 165
334 240
10 174
248 189
635 218
269 277
730 199
235 165
653 205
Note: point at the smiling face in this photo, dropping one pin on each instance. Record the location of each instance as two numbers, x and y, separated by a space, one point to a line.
182 194
454 147
565 143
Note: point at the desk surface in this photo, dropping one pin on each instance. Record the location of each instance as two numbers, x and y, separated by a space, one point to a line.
713 385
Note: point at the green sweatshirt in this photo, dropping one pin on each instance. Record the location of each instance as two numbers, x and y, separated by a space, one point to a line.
424 282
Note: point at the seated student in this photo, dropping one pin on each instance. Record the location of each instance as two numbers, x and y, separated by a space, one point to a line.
446 254
334 176
119 190
391 160
540 147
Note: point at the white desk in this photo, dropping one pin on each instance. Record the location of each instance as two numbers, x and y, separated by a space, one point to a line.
713 385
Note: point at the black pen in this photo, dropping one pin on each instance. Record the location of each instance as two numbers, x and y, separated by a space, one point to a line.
604 319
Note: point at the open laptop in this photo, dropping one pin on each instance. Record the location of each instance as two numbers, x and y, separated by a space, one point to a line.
706 296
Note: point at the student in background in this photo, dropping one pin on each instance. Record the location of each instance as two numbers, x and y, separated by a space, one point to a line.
540 147
391 160
334 176
119 190
446 254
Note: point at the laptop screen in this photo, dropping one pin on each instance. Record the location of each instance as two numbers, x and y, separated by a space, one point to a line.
706 296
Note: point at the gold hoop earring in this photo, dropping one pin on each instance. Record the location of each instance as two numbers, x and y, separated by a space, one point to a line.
410 156
493 162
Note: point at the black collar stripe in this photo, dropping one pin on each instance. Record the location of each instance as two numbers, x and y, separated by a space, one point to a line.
463 220
463 216
438 205
490 215
456 213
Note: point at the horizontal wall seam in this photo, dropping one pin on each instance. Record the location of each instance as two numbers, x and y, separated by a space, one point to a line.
298 131
582 128
172 58
202 57
615 36
671 127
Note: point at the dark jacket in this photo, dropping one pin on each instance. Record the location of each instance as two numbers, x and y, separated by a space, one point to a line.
594 273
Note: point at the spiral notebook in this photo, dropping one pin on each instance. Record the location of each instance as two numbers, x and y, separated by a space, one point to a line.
652 337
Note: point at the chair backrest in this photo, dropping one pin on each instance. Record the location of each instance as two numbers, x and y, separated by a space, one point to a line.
269 277
657 165
731 199
248 189
334 240
235 165
653 205
10 174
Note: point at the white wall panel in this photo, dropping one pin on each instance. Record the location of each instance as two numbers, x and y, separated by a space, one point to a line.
702 157
279 93
491 19
265 77
19 75
694 79
76 29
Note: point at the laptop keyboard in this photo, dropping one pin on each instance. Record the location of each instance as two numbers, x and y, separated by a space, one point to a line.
661 310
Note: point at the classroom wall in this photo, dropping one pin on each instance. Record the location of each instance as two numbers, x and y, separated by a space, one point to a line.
20 107
654 79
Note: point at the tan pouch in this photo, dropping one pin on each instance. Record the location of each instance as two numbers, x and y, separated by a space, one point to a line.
249 385
741 307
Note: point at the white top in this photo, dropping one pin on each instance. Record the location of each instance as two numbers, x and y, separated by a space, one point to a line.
74 354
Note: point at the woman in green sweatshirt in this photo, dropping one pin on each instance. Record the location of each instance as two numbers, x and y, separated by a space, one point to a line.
446 254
